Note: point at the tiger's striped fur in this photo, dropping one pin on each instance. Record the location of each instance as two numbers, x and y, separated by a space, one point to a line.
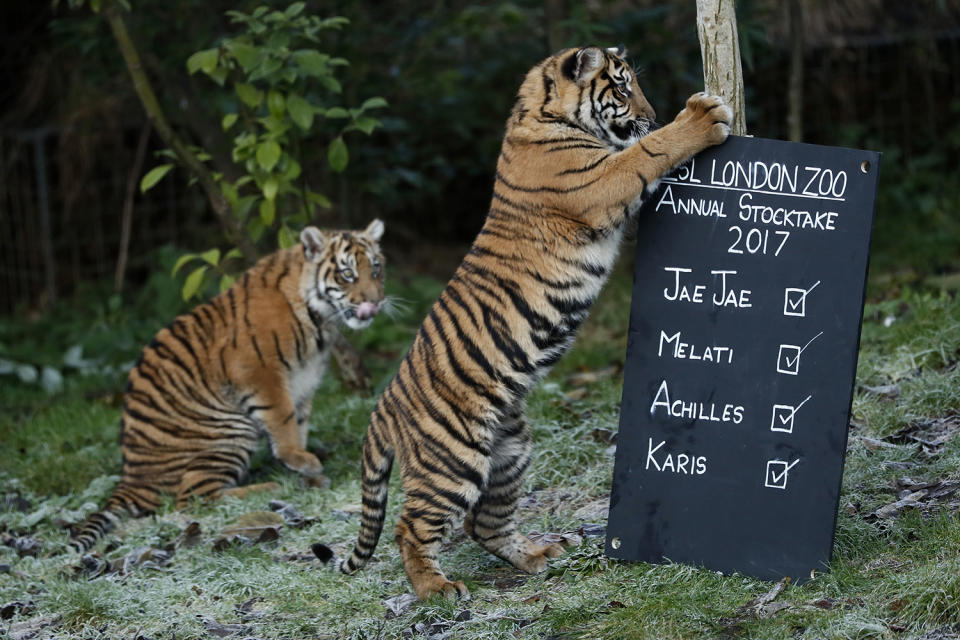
577 158
244 363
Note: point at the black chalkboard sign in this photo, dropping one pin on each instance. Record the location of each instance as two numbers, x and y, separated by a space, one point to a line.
742 351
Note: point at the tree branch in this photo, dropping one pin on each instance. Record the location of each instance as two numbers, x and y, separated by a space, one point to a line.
720 48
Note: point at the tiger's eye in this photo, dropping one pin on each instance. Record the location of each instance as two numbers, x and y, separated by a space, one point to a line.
348 275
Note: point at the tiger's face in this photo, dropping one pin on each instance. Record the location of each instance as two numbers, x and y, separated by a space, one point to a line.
343 274
598 90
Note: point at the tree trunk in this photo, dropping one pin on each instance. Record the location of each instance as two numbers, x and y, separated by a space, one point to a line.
126 223
795 86
720 49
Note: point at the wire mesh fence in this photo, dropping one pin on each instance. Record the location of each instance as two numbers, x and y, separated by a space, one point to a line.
60 228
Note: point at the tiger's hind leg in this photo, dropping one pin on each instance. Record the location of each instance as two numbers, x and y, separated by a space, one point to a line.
429 512
210 473
491 521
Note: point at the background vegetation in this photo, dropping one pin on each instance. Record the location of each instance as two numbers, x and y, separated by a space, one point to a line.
878 74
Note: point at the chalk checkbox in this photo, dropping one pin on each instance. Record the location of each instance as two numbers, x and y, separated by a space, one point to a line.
782 419
788 360
777 473
795 302
784 416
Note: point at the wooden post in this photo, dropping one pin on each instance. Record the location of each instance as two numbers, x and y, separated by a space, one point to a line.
720 49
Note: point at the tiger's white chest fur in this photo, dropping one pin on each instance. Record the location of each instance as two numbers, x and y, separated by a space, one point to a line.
302 382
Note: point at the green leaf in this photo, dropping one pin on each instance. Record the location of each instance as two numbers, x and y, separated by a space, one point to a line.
233 253
286 238
334 22
244 205
267 67
229 192
275 103
276 127
211 257
226 282
301 112
268 154
373 103
193 282
312 62
270 187
292 172
154 176
331 83
337 154
255 228
336 112
294 9
228 121
319 199
251 96
247 55
205 61
367 125
182 260
218 75
267 212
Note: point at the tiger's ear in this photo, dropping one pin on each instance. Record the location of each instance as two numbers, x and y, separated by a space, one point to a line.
375 230
313 242
583 65
620 50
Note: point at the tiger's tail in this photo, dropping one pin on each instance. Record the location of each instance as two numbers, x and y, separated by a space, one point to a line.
126 499
377 463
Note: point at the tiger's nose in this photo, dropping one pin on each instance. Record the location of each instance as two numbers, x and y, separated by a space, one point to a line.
367 310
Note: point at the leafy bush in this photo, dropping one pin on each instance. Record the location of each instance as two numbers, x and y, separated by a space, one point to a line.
281 84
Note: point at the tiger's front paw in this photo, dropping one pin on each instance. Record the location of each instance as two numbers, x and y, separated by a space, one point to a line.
708 116
302 462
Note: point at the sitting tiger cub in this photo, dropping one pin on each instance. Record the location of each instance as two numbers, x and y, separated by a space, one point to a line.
578 157
246 362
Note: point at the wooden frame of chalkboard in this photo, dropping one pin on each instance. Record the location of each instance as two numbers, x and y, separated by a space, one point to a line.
742 352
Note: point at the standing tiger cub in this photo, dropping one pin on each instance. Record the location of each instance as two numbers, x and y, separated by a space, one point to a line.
577 158
245 363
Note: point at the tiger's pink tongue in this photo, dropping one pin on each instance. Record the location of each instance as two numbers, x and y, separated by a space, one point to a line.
367 310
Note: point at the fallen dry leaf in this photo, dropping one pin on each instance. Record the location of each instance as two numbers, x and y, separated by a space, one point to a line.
142 558
291 517
220 630
571 539
190 536
29 629
889 391
246 612
252 523
11 609
583 378
398 605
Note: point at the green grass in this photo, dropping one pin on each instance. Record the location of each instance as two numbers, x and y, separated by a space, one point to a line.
887 579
